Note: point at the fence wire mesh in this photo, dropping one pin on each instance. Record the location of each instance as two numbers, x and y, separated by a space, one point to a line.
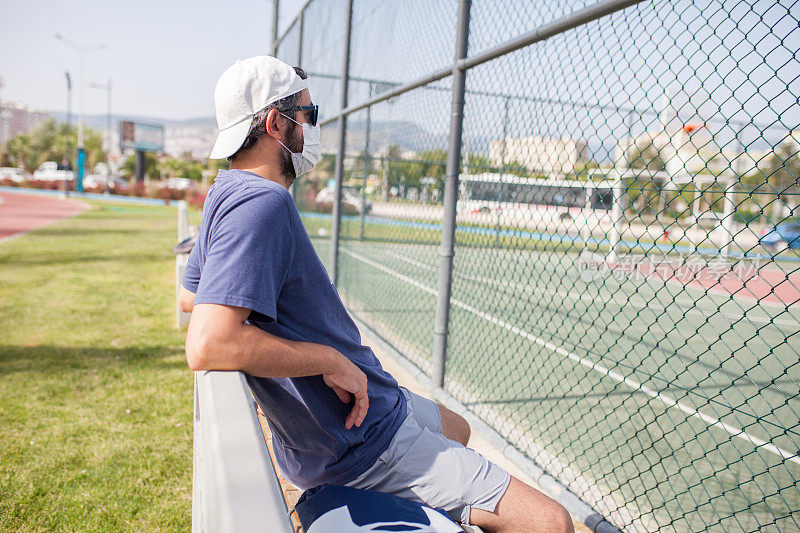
625 300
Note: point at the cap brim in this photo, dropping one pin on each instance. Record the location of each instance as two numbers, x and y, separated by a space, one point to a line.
230 140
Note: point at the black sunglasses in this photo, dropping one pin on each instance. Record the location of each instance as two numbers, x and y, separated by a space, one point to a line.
314 112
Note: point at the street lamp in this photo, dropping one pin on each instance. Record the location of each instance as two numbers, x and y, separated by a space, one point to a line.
65 161
107 88
81 153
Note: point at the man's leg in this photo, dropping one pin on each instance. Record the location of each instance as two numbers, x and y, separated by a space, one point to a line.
525 509
522 508
431 469
438 418
454 427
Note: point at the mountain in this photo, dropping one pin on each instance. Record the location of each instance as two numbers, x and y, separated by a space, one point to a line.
99 120
197 135
194 135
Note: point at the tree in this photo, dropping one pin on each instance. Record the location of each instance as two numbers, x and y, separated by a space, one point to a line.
434 163
478 164
181 168
783 175
327 163
17 151
783 172
645 191
150 165
93 145
46 142
399 170
645 155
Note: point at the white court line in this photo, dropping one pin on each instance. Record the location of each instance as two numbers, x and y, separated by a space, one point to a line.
713 292
589 298
636 386
602 497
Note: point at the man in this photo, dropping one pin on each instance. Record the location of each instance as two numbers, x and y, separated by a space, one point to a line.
262 303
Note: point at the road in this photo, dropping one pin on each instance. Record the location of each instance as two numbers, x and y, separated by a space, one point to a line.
20 213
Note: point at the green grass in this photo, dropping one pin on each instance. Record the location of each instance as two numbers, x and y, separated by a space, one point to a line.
486 235
95 394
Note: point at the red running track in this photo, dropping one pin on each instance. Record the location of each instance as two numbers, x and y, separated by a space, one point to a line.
751 282
25 212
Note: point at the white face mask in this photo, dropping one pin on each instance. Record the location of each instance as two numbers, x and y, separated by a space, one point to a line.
312 149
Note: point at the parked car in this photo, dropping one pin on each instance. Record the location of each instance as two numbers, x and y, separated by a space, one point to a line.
349 198
48 171
783 236
98 180
17 175
180 184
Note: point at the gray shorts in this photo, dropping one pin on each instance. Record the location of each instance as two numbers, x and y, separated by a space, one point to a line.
424 466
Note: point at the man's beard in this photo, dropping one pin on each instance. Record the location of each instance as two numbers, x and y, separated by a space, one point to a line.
294 144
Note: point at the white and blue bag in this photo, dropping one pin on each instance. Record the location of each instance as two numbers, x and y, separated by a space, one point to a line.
335 509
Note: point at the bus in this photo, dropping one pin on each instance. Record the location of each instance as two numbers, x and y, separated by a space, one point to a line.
520 199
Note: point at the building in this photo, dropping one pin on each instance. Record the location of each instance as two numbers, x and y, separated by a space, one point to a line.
688 150
546 156
195 137
17 118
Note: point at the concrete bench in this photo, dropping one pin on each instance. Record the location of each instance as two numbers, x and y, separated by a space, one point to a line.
235 485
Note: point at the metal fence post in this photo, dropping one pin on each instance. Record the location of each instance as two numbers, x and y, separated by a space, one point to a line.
293 187
617 214
273 46
300 37
367 166
337 198
442 318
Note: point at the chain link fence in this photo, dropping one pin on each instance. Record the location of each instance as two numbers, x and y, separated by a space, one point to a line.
593 246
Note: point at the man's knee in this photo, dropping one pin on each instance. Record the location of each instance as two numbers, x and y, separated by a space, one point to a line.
523 508
554 516
562 520
454 427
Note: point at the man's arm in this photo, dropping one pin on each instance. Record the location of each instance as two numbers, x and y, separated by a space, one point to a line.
219 339
186 299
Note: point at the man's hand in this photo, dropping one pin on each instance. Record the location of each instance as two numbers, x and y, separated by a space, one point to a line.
219 339
349 382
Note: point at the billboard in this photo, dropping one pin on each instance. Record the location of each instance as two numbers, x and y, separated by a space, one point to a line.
144 137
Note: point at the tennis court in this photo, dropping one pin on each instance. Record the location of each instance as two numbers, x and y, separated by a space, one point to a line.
662 403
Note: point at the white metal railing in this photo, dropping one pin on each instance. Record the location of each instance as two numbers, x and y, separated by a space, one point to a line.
235 487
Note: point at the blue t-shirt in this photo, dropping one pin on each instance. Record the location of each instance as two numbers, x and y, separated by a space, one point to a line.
253 252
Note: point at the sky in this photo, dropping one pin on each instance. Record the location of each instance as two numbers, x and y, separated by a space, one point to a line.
163 57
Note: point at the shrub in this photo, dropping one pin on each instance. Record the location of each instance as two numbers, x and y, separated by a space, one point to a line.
50 185
168 193
137 189
196 199
327 207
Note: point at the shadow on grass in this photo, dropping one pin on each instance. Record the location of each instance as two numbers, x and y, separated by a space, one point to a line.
50 360
60 259
91 232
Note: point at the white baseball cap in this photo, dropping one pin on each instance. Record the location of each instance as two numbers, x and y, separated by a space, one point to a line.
247 87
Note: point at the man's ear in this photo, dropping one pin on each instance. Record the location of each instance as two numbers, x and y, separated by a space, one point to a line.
275 124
